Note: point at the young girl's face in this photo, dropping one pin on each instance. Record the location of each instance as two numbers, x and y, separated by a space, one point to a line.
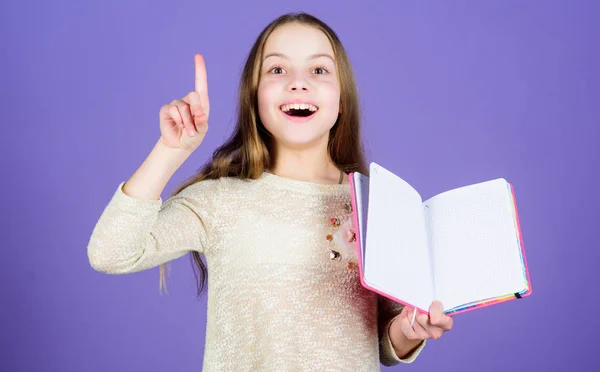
298 90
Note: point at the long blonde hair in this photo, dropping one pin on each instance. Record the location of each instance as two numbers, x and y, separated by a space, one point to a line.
249 150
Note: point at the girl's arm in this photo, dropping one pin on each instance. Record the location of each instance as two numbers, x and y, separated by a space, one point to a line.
404 348
150 179
392 353
137 231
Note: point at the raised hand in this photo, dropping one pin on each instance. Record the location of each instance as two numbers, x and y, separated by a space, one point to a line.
184 122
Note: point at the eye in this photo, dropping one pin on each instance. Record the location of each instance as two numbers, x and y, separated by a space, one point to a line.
320 70
276 70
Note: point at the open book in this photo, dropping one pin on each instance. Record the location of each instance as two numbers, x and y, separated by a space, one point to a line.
462 247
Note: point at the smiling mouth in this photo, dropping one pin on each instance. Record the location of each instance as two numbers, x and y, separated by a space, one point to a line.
301 110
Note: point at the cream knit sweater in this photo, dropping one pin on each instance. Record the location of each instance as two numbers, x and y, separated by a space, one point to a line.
277 301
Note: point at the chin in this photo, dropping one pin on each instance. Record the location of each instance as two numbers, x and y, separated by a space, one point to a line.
299 141
294 136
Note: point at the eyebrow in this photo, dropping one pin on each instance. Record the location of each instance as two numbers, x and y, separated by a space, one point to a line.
313 56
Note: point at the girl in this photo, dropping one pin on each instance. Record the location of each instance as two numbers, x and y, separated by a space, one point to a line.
271 215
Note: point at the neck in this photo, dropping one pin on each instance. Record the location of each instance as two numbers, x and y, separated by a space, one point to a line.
308 164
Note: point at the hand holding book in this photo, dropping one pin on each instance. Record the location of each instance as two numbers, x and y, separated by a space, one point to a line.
405 328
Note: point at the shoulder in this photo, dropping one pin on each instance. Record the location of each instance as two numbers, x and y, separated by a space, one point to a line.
203 190
212 198
215 188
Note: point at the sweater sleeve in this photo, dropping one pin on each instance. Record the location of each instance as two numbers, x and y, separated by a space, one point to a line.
133 234
387 312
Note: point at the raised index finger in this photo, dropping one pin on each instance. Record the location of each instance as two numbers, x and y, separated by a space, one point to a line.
201 85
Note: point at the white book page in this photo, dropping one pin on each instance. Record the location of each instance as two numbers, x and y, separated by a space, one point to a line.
474 242
361 187
396 252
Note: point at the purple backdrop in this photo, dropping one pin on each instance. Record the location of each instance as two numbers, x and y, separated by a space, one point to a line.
452 93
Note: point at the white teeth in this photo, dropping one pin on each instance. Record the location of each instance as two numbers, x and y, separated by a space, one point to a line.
298 106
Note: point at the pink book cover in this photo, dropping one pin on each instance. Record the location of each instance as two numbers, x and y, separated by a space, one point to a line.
465 308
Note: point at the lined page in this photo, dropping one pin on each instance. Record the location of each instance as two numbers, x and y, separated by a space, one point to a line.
361 187
475 244
396 252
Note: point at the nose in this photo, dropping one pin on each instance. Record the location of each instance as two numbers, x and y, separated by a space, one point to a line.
298 83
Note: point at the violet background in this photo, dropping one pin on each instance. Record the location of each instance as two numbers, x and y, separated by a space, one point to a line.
452 92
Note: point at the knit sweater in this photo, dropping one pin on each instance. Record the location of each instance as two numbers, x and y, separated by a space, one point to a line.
284 292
